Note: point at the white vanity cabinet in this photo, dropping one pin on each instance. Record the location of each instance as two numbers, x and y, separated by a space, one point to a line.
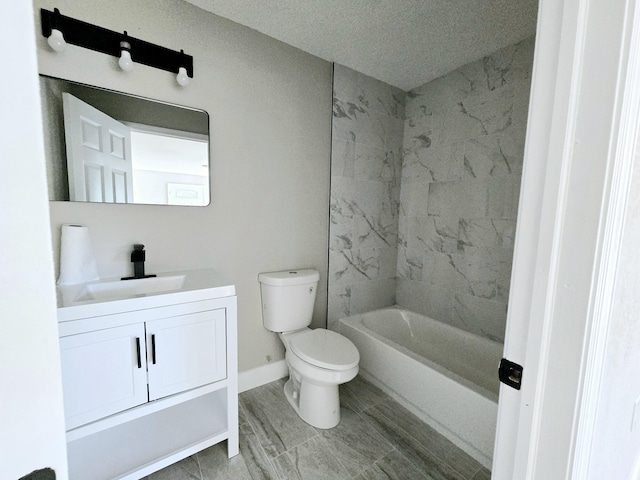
103 372
185 352
148 380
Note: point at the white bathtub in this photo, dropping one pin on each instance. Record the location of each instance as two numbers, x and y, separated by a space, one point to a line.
446 376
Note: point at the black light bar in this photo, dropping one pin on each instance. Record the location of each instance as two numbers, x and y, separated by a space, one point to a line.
83 34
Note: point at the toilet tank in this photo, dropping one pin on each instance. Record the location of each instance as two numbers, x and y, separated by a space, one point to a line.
287 299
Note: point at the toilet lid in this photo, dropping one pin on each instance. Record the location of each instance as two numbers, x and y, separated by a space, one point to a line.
326 349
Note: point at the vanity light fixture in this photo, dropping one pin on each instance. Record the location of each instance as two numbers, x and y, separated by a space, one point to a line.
55 38
86 35
182 77
125 61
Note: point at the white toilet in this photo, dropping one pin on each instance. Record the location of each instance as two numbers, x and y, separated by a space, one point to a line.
319 360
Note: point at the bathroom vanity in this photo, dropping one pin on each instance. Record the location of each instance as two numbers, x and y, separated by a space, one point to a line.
149 370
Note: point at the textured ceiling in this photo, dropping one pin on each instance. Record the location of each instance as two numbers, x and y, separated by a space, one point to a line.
402 42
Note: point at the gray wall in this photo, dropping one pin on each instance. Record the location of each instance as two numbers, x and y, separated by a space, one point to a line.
365 190
270 109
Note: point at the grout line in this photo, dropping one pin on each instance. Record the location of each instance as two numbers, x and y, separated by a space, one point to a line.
274 469
477 472
316 434
437 458
244 411
331 448
264 453
375 463
411 462
199 466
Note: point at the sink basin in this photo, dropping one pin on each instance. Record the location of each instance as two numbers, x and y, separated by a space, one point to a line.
120 289
114 296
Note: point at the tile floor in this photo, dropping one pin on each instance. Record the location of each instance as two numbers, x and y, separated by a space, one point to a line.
376 439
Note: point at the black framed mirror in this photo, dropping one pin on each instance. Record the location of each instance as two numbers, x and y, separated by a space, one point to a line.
111 147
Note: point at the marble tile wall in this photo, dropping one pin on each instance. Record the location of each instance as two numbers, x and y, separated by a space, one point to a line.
462 164
424 191
368 123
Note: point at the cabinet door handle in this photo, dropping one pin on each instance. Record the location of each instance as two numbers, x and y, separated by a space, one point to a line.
153 349
138 352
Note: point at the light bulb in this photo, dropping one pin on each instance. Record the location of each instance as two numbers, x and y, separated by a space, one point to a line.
182 78
56 40
125 61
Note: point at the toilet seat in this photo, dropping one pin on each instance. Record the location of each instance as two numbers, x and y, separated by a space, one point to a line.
325 349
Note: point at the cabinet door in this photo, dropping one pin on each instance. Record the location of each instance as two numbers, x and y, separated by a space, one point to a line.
186 352
103 372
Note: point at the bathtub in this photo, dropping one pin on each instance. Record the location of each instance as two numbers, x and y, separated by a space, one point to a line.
446 376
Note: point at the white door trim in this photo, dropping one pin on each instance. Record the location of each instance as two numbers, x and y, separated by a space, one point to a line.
547 127
568 235
622 155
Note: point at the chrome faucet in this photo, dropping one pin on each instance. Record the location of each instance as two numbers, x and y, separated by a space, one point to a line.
137 258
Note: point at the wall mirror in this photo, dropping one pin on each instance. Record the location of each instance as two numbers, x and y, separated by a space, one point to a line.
111 147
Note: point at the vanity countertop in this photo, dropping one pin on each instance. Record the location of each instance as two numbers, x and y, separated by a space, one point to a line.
112 296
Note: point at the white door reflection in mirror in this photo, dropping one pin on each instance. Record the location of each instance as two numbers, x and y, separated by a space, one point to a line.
98 154
123 162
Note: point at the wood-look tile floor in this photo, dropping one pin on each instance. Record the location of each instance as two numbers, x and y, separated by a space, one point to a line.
376 439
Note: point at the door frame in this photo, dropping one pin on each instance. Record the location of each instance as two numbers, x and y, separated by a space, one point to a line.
580 146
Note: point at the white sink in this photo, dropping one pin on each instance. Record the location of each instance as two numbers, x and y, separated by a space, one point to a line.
113 296
121 289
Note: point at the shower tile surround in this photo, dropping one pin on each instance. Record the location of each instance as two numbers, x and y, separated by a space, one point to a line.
368 123
435 232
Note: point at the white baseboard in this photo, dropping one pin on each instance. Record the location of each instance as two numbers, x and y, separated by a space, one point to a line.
262 375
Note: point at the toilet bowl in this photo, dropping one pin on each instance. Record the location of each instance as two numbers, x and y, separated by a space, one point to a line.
319 360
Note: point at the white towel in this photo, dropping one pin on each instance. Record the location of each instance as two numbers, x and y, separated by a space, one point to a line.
77 264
